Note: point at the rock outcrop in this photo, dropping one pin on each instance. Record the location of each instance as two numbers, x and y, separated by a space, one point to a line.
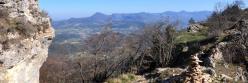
25 35
195 28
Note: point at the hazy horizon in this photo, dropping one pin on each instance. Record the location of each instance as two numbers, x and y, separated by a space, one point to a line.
66 9
126 13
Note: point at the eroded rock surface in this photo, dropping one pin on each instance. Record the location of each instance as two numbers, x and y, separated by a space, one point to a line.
195 28
25 35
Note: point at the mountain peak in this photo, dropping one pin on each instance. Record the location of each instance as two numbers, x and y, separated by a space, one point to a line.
98 14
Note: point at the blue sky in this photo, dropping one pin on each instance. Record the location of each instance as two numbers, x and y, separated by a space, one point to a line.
64 9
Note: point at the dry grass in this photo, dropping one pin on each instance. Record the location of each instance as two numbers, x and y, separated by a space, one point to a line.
124 78
229 71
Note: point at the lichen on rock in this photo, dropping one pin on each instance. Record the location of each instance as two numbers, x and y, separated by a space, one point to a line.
25 34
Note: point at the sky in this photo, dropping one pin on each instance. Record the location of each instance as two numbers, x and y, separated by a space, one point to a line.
64 9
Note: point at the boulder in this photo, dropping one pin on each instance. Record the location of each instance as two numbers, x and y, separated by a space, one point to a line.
195 28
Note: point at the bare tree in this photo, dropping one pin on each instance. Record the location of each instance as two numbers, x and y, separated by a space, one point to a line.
224 16
163 44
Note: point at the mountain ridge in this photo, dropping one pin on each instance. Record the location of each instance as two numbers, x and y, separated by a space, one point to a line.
143 17
120 22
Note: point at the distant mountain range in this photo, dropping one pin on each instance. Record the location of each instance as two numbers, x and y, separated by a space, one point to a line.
123 23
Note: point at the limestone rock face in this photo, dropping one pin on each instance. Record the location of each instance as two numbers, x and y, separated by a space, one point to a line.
25 35
195 28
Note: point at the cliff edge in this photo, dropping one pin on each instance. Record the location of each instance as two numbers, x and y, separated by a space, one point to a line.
25 35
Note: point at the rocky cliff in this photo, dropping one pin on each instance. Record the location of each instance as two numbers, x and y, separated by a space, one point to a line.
25 35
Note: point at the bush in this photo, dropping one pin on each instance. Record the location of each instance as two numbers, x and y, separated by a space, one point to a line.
222 20
124 78
234 54
44 13
26 28
3 13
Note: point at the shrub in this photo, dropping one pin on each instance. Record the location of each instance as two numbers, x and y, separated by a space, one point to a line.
124 78
3 13
44 13
222 20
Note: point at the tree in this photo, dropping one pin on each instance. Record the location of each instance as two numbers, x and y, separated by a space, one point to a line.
156 47
191 21
239 3
163 44
106 54
224 17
